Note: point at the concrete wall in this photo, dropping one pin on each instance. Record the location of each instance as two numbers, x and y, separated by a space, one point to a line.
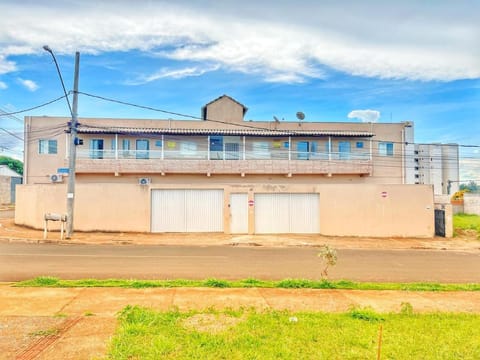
5 182
471 203
345 210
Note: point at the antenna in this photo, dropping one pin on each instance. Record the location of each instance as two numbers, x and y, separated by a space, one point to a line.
276 119
300 115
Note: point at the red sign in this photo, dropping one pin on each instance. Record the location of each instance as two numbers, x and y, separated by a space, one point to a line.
251 202
384 194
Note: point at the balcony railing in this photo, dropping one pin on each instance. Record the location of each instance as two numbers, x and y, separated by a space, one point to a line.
219 155
223 162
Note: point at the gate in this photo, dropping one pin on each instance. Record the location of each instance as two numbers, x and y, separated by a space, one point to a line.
440 222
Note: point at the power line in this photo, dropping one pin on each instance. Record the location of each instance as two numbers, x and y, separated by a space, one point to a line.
234 124
32 108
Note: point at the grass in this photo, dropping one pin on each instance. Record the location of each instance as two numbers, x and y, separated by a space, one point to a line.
466 222
44 281
147 334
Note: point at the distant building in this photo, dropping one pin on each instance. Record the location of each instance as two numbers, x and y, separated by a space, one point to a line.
8 181
438 165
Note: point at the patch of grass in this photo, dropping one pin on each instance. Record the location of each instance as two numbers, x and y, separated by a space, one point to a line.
367 314
248 283
217 283
88 313
272 335
44 332
466 222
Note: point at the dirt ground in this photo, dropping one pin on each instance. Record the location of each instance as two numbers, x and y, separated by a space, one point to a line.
464 241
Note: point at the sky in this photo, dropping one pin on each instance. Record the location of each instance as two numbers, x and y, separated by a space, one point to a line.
336 61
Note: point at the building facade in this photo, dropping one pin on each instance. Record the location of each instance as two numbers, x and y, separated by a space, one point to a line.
222 173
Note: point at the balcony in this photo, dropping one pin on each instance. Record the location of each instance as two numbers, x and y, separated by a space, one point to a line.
222 162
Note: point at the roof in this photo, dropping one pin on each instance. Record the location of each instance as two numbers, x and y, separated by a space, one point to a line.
6 171
232 132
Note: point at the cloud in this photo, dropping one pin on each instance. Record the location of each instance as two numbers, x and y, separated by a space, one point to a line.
470 169
173 74
3 85
365 115
278 41
6 66
28 84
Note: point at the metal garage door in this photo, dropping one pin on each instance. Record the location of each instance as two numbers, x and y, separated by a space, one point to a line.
287 213
185 210
239 213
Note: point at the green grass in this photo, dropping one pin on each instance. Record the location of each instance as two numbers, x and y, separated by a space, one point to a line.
146 334
247 283
466 222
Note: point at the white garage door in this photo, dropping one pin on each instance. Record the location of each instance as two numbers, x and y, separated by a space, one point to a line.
287 213
185 210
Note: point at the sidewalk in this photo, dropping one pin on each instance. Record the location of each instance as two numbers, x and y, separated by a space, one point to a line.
86 317
11 233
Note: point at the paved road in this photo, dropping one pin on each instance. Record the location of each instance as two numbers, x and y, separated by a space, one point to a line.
24 261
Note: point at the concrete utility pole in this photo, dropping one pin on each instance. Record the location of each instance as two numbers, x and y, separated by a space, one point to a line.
73 151
73 138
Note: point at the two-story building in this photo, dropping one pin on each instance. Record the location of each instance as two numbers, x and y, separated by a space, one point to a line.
222 173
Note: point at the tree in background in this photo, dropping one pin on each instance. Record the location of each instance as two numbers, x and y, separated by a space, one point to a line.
14 164
471 186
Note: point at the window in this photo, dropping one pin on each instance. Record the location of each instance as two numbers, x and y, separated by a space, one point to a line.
359 144
385 149
303 148
344 150
143 147
114 144
216 143
188 148
232 151
126 147
96 149
260 150
158 143
47 146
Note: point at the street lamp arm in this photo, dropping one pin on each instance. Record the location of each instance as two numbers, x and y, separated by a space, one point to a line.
48 49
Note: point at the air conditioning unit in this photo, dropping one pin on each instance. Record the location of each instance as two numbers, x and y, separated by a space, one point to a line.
56 178
144 181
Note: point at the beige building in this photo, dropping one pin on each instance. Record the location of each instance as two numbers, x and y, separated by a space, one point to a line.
222 173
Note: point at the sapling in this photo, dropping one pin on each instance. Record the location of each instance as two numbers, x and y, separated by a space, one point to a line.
329 257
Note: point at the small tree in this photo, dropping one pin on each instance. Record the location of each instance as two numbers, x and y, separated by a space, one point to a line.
14 164
329 257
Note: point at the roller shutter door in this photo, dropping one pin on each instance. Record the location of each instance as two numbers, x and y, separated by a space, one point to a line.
289 213
185 210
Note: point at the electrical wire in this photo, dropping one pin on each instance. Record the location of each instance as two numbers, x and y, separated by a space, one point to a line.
227 123
32 108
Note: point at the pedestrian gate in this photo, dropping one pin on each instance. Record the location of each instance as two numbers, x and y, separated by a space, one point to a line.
439 222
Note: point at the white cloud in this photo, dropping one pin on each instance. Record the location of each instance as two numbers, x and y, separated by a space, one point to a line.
280 41
469 169
3 85
28 84
173 73
365 115
6 66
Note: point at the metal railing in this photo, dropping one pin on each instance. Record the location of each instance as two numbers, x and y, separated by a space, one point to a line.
220 155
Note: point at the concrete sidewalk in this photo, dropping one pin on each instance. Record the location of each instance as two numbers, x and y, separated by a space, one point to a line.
11 233
84 319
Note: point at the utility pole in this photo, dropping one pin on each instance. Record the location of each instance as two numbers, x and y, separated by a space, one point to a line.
73 151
